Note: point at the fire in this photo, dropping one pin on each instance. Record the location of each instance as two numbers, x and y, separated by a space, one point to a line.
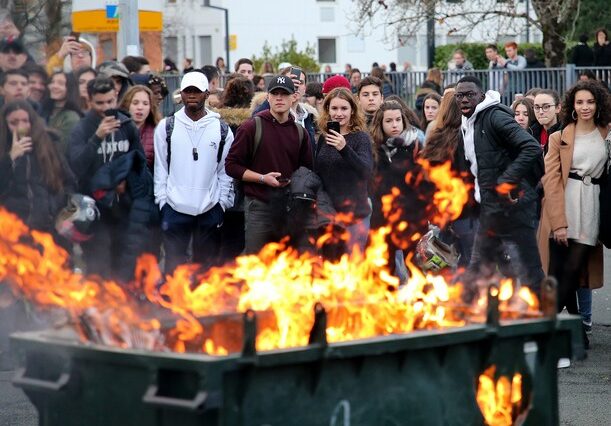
196 311
505 188
500 401
451 195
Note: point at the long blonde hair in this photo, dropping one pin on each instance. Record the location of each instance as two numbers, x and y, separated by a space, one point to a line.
357 118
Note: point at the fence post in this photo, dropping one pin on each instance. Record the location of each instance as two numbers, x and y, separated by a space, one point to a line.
569 76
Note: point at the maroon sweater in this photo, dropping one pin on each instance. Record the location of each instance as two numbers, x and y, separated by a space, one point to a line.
279 151
147 133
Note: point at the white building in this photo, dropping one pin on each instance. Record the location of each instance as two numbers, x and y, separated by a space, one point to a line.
196 31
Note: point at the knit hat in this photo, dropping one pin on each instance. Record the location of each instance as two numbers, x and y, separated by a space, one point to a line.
335 82
113 69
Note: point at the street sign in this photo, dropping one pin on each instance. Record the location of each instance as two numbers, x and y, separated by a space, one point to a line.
97 16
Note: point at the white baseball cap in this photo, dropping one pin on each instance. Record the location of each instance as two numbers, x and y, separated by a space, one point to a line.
196 79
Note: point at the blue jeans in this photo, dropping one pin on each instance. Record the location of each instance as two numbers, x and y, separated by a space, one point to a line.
178 229
584 301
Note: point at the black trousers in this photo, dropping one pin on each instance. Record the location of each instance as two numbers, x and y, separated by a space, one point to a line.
510 247
567 264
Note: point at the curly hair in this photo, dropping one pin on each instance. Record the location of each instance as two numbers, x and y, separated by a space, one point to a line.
602 98
357 117
238 92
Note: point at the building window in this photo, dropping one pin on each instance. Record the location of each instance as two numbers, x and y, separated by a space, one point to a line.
327 51
327 14
171 48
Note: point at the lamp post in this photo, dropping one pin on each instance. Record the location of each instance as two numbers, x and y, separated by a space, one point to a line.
128 37
226 11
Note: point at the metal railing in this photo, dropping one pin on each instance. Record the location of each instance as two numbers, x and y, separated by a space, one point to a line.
507 82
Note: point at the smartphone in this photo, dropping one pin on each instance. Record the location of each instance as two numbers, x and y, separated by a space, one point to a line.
283 180
112 112
296 71
333 125
75 35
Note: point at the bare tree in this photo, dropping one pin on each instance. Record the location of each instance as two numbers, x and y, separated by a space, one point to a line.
39 21
405 18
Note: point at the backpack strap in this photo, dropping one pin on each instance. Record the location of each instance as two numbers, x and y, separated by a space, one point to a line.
300 131
258 137
169 128
224 131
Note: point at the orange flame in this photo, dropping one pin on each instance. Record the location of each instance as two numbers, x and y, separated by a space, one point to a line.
451 195
499 401
505 188
194 311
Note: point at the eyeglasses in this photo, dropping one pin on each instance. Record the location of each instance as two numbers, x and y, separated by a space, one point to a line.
81 53
544 107
469 95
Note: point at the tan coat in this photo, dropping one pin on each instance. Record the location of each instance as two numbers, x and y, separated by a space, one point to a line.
557 166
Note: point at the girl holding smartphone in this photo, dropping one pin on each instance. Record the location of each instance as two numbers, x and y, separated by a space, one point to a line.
34 176
344 162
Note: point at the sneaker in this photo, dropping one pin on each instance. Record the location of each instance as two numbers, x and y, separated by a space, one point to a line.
587 328
564 363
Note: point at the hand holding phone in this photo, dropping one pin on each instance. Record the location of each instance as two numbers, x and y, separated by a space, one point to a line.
21 144
333 125
296 72
109 124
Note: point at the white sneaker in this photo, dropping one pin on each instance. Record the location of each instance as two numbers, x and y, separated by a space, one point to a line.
564 363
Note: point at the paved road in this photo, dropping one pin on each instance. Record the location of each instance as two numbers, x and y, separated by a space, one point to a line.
585 388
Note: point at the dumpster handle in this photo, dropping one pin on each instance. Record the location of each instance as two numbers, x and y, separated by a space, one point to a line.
195 404
21 381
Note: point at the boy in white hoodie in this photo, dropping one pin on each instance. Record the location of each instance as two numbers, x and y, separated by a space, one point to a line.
191 186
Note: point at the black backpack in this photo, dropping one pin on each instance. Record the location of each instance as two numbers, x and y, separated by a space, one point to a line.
169 128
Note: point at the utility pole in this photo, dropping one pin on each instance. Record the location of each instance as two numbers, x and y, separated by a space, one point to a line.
128 37
226 11
430 32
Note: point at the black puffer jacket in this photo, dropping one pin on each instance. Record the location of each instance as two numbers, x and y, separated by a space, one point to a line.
506 153
24 192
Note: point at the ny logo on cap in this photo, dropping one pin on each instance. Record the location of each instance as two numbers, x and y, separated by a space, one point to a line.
281 80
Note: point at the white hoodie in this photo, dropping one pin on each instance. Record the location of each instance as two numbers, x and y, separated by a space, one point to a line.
192 187
468 130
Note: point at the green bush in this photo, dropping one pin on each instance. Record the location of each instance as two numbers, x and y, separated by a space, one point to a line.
476 53
288 52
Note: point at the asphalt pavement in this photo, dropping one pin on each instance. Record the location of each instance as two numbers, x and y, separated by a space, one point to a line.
585 387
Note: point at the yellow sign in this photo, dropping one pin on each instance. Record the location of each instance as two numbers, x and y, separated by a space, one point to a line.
233 42
95 16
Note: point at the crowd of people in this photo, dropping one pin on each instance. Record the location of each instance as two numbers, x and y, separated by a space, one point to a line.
272 155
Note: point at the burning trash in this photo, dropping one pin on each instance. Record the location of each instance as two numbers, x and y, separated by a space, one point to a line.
360 295
320 327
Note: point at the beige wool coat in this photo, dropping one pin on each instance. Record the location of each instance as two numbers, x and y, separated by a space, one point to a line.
553 214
